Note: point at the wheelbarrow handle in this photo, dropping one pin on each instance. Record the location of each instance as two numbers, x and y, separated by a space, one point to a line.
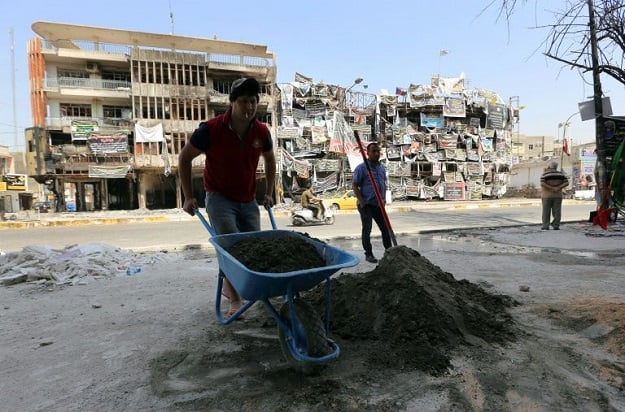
207 225
271 218
210 229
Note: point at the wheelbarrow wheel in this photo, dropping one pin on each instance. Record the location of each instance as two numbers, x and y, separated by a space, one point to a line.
310 339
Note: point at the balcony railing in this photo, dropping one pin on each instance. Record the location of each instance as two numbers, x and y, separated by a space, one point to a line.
108 122
102 84
229 59
87 46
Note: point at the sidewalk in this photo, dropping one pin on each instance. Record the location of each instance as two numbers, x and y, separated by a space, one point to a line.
29 219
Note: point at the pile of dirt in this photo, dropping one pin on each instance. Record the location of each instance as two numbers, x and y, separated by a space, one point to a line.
409 314
276 254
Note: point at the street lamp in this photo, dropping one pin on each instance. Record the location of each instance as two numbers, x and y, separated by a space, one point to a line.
441 53
343 104
343 101
356 82
516 128
564 125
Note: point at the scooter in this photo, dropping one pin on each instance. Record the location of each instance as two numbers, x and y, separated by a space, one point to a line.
304 217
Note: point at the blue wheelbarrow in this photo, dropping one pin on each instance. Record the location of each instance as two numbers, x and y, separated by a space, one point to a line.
303 335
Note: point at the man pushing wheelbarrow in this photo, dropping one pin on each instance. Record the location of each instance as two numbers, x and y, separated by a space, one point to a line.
233 144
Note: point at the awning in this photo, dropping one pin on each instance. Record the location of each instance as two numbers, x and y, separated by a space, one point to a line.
109 172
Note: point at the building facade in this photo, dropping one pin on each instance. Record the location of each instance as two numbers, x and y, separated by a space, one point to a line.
440 140
112 109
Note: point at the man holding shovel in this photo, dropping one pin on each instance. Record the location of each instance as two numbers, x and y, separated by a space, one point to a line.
368 206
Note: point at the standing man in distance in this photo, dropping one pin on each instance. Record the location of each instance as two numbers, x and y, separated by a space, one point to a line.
233 144
552 181
368 206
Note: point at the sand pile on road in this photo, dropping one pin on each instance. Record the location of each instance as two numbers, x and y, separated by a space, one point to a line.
408 313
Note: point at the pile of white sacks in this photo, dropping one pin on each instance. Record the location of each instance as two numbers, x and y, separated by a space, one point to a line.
71 265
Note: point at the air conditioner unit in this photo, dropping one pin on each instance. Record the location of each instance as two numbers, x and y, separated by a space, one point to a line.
92 68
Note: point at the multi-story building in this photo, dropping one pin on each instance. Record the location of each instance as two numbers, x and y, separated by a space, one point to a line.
11 184
112 109
535 147
440 140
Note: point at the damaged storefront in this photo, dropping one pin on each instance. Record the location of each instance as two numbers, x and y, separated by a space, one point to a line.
440 141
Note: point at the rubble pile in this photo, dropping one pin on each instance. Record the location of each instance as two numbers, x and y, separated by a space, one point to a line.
410 314
71 265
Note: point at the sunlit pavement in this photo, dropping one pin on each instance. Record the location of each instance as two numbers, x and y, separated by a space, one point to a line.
27 219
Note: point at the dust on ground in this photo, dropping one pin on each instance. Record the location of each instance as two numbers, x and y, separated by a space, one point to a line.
446 328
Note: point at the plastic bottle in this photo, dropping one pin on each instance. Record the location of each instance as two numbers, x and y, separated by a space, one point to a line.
133 270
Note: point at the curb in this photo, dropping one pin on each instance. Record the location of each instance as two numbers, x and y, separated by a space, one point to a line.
169 216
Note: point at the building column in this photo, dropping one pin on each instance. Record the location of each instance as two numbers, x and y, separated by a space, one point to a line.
178 192
141 190
80 197
104 200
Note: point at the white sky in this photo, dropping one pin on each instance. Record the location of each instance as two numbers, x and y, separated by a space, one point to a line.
389 44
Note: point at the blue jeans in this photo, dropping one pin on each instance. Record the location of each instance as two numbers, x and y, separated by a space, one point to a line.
227 216
369 213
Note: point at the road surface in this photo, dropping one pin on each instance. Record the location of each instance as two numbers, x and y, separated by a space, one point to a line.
188 232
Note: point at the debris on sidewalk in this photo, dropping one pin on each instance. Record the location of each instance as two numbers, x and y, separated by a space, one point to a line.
71 265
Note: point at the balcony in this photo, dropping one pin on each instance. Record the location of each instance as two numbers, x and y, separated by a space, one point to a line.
64 86
107 124
220 63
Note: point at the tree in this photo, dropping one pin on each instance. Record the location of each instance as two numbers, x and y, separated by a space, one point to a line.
587 35
568 38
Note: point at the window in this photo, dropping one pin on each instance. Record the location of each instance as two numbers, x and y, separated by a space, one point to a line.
116 112
223 86
75 110
72 73
170 73
117 76
530 146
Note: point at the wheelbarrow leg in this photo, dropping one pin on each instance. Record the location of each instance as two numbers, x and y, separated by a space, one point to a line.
303 335
223 320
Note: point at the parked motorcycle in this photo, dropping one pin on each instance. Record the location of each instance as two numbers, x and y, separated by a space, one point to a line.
304 217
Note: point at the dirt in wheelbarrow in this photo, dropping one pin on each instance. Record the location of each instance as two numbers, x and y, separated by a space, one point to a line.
276 254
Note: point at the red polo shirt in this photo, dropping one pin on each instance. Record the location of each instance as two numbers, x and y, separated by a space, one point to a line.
230 167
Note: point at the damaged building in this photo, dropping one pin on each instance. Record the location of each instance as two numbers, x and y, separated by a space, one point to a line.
112 109
440 140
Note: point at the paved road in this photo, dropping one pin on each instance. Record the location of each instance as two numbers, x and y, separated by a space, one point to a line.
179 231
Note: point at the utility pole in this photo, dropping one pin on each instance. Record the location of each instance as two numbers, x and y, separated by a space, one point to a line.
600 167
15 138
516 127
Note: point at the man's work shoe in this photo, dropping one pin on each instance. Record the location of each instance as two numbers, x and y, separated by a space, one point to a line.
371 259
